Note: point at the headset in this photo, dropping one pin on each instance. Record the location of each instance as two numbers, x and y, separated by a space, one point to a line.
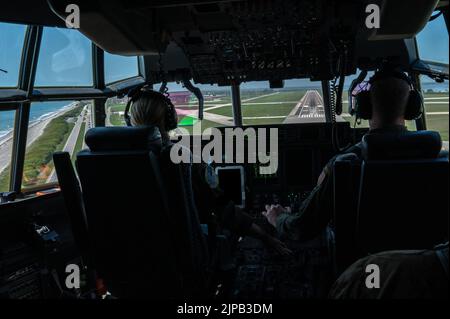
363 101
170 120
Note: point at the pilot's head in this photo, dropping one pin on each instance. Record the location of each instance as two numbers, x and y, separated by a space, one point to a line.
389 97
154 109
391 100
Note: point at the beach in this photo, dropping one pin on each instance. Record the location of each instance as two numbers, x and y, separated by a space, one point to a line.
35 129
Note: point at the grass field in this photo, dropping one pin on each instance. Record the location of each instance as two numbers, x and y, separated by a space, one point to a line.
254 110
282 102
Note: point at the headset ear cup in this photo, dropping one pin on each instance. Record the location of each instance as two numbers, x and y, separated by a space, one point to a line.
363 105
414 108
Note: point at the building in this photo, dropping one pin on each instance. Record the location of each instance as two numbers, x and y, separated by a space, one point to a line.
180 98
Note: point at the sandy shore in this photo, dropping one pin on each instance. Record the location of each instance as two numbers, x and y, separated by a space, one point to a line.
34 131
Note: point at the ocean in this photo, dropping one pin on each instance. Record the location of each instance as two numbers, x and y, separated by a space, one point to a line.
39 111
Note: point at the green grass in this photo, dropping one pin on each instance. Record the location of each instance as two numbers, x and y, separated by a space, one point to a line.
254 110
117 108
436 107
116 119
283 96
435 94
438 123
257 110
263 121
205 125
79 143
4 179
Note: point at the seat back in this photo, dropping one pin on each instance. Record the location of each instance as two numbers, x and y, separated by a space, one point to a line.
403 192
71 191
346 174
132 237
393 198
194 253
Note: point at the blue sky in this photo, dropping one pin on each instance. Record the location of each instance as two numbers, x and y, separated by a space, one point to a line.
65 58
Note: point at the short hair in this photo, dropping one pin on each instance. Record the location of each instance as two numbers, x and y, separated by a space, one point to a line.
389 97
148 111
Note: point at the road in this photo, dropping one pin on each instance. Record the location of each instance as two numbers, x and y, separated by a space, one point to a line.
71 142
308 110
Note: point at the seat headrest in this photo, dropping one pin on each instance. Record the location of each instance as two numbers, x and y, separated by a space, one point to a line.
137 138
401 145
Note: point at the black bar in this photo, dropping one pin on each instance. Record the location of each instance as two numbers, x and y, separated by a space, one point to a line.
19 146
236 100
98 67
29 59
326 100
99 112
27 75
421 122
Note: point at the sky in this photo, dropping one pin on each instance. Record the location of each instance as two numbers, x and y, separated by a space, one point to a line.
65 57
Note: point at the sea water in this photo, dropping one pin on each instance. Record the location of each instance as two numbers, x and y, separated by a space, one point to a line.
38 111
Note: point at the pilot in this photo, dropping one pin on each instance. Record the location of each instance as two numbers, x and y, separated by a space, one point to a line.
389 95
151 108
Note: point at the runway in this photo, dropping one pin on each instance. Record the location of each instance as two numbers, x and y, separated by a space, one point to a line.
308 110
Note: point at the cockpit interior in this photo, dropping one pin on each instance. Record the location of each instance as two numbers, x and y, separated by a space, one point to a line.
265 100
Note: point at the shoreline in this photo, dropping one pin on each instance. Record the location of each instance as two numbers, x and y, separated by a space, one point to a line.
35 129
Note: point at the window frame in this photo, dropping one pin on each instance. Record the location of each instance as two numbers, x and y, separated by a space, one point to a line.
421 123
20 60
139 75
19 98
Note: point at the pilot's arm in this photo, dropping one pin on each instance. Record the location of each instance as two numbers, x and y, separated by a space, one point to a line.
211 199
314 213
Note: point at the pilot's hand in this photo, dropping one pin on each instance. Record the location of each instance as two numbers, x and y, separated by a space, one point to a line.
273 211
278 246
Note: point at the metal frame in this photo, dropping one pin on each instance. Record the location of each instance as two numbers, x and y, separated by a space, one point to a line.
27 75
236 103
326 100
20 98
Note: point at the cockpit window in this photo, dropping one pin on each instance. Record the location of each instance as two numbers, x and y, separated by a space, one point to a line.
65 59
54 126
433 41
119 67
263 105
433 46
300 101
11 44
6 146
115 109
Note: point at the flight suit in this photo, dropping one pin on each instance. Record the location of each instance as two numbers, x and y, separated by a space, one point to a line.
316 210
415 274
